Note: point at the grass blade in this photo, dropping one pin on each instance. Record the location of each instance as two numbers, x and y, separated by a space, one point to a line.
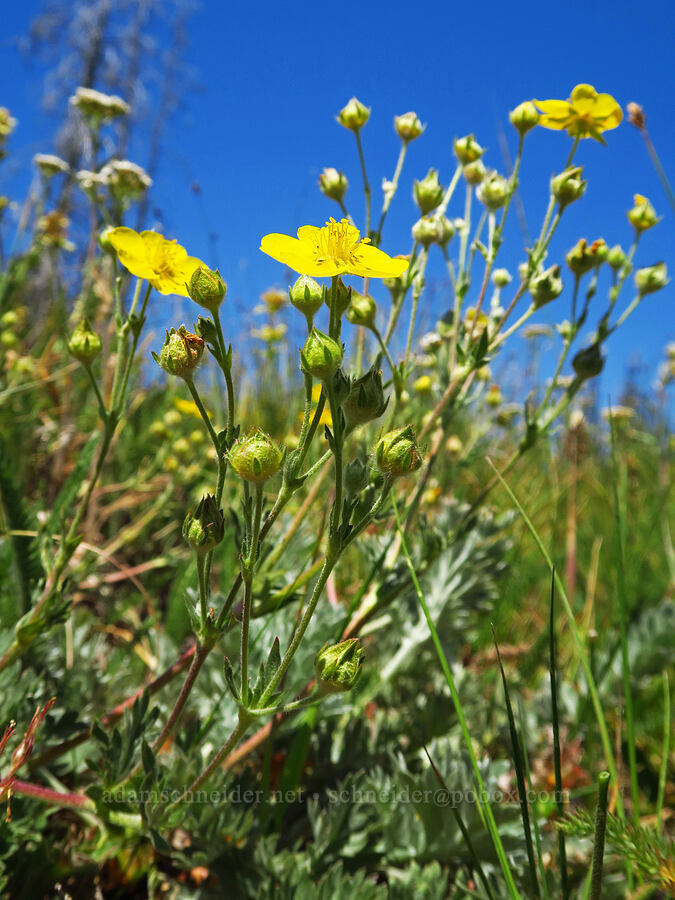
663 770
535 823
557 762
599 838
520 776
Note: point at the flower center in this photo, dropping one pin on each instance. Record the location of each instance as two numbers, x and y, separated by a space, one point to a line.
337 241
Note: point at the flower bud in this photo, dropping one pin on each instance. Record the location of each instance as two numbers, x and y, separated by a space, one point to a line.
582 257
255 457
204 529
333 184
423 385
474 172
362 310
181 353
321 356
568 186
126 180
425 232
355 476
343 298
428 193
501 277
651 278
274 299
408 127
524 117
616 258
50 165
494 396
207 288
397 452
84 343
636 115
354 115
98 107
588 362
643 215
306 295
467 149
453 446
445 229
546 286
104 241
338 666
366 400
494 191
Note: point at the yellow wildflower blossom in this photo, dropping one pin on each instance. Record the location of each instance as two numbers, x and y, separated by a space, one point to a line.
165 264
335 249
326 418
585 114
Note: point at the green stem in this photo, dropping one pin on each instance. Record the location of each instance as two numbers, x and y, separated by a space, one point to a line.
366 185
245 720
599 838
194 393
248 568
227 372
390 196
665 752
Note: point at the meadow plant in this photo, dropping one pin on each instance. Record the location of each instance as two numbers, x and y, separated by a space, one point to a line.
381 410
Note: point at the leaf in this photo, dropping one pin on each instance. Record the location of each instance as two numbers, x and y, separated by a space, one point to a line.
148 757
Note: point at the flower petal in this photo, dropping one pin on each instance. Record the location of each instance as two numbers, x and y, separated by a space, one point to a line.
558 109
308 233
374 263
131 251
583 92
296 254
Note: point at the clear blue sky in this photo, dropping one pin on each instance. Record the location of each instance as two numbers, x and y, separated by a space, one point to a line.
274 75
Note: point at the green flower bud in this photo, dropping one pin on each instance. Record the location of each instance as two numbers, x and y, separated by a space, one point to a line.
588 362
342 298
255 457
306 295
445 229
362 310
333 184
501 277
181 353
204 529
467 149
568 186
366 400
474 172
338 666
546 286
651 278
428 193
8 339
355 476
408 127
582 257
643 215
425 231
397 452
524 117
207 288
104 241
321 356
84 343
494 191
10 319
354 115
616 258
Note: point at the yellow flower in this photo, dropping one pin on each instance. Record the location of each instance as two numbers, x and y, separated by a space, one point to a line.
165 264
326 418
332 250
585 114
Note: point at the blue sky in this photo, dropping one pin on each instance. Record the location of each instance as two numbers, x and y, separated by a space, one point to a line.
261 128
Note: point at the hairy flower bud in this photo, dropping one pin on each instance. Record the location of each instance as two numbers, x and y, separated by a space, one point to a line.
366 400
84 343
568 186
355 476
428 193
494 191
362 310
582 257
255 457
321 356
204 529
651 278
501 277
104 241
424 231
207 288
474 172
616 258
408 127
643 215
343 297
467 149
333 184
546 286
338 666
588 362
397 452
181 353
524 117
354 115
306 295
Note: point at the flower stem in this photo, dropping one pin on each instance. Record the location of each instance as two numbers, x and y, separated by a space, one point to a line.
599 837
366 185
